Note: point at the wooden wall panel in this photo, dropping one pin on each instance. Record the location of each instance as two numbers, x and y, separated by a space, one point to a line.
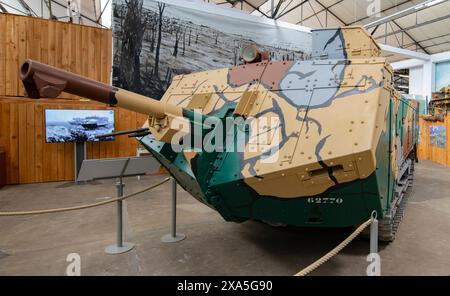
426 151
3 35
81 49
30 159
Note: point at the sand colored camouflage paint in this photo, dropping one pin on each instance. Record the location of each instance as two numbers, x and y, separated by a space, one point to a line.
316 148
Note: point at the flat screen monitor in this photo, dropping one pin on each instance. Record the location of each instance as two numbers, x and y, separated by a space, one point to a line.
76 125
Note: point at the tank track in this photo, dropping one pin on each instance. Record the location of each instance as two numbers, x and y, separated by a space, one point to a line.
388 226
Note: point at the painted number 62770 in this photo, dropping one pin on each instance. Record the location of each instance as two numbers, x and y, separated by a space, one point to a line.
325 200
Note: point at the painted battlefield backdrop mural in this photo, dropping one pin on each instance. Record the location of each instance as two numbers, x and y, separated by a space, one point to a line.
154 41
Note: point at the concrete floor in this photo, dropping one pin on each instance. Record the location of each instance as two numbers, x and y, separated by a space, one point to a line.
39 245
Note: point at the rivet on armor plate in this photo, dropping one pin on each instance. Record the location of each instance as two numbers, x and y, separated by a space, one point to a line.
350 130
356 144
359 158
309 157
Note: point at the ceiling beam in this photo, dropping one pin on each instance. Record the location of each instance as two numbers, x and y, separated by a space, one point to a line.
274 13
103 10
437 44
410 10
315 14
381 11
328 7
330 12
81 15
27 8
13 8
414 26
291 9
232 2
427 39
286 6
411 37
256 8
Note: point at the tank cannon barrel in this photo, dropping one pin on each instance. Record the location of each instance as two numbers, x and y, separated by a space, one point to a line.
44 81
41 80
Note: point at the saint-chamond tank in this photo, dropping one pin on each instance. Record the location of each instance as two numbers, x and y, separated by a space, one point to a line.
315 143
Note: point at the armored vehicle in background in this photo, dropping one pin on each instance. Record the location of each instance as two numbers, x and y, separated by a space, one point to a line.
325 142
90 122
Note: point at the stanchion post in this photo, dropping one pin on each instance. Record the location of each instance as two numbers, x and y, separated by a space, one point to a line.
173 236
119 186
120 246
374 236
374 268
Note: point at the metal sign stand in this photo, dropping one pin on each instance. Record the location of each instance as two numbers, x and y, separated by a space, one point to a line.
120 246
79 157
173 236
107 168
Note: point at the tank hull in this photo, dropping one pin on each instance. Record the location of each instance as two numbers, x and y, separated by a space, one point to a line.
345 144
344 205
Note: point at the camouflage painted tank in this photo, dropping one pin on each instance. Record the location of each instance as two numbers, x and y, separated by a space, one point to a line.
326 141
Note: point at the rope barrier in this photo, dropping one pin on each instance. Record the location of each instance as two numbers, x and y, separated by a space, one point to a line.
334 251
303 272
48 211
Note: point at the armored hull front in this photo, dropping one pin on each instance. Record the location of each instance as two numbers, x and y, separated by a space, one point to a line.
321 142
339 131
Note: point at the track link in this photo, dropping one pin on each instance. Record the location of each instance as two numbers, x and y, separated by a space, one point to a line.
388 226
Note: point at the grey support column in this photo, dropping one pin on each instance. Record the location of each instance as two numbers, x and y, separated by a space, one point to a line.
173 236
